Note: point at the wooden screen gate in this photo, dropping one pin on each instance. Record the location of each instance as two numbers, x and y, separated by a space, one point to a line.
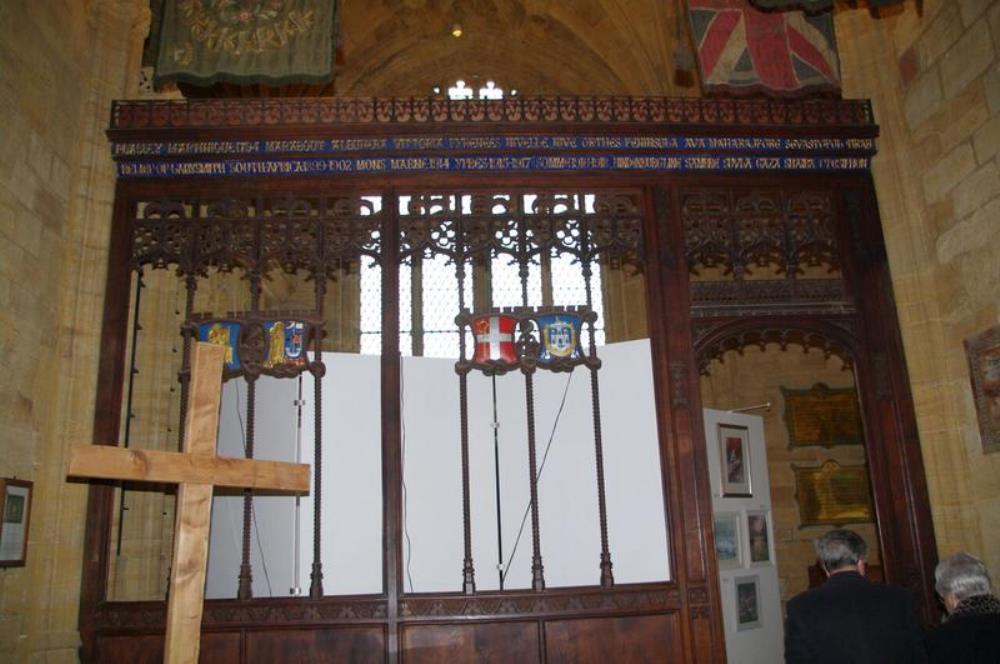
696 195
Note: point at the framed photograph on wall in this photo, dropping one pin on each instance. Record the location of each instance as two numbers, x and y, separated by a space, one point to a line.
15 510
758 538
727 540
747 589
734 451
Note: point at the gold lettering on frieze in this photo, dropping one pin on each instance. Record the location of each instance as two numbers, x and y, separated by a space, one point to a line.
737 163
839 163
474 142
665 163
137 149
418 163
767 163
339 165
420 143
573 163
303 166
209 147
744 143
262 168
602 142
656 142
303 145
814 144
801 163
702 163
371 164
529 142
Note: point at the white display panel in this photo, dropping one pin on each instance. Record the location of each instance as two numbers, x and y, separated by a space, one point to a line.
273 528
763 644
351 548
567 488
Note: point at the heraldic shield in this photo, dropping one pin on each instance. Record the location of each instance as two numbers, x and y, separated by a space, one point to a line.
223 333
494 339
285 343
560 337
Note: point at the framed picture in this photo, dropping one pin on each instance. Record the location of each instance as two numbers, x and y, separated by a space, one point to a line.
822 416
747 602
832 495
983 353
734 451
15 510
758 539
727 540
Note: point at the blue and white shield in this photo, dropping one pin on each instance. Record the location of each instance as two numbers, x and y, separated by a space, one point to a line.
560 337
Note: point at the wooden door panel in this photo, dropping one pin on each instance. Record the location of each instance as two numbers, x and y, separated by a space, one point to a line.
629 640
217 648
358 645
478 643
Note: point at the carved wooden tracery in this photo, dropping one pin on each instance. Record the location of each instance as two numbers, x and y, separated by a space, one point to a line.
754 256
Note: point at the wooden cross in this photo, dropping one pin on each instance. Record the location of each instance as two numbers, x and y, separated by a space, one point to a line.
195 470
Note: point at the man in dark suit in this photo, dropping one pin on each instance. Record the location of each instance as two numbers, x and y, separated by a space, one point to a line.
971 634
848 620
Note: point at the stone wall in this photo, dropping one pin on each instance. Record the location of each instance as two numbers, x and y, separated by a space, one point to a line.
754 378
61 62
934 81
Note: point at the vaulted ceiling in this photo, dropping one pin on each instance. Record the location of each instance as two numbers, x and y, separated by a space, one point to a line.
406 47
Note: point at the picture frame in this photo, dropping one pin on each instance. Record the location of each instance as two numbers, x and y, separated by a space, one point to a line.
15 518
734 456
822 416
832 495
759 538
746 595
728 549
983 353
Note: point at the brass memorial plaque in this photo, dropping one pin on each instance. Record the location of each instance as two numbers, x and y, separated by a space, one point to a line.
822 416
832 494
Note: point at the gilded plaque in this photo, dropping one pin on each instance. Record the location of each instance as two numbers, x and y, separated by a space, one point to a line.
983 351
822 416
832 494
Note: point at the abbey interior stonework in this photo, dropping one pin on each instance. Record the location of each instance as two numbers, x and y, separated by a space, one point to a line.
933 79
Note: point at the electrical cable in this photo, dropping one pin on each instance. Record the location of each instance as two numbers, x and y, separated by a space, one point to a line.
496 471
541 467
253 512
402 472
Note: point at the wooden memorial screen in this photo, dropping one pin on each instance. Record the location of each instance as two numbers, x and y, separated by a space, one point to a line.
749 221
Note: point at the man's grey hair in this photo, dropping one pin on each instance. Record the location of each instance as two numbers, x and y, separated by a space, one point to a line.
841 548
962 575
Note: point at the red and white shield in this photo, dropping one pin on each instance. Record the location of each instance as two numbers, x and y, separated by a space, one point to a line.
494 339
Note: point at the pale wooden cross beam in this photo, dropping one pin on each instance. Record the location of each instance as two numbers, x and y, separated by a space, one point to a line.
195 470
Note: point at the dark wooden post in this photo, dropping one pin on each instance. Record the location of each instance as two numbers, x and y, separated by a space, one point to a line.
906 531
682 442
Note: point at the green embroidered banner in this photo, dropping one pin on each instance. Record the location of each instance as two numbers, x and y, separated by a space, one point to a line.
247 41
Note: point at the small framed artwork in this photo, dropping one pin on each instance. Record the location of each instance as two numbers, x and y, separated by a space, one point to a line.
983 352
15 509
734 451
758 539
747 602
727 540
